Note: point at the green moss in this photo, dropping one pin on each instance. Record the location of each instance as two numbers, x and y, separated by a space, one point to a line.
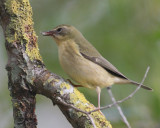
33 52
63 86
20 28
80 102
76 96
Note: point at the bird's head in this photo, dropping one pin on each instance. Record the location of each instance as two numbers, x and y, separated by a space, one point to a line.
69 34
62 33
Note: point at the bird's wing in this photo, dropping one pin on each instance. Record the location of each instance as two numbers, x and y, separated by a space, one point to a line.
105 64
111 69
89 52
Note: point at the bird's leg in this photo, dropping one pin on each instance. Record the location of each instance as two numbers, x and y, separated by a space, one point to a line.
98 90
75 85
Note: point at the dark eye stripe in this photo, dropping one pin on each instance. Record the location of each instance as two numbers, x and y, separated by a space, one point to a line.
59 30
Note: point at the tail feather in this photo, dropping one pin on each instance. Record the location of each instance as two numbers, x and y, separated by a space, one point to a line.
142 86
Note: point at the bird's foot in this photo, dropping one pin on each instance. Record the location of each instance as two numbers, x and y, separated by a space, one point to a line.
75 85
99 110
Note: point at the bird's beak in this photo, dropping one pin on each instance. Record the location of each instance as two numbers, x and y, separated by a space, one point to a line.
49 33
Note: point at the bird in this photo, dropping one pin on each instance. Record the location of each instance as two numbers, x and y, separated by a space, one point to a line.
83 63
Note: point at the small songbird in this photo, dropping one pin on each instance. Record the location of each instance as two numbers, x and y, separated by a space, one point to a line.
83 63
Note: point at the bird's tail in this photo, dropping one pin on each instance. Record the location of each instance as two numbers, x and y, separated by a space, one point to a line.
142 86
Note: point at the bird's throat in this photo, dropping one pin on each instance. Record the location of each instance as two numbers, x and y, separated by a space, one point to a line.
70 47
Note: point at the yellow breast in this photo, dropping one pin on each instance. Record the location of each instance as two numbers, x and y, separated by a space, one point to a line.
81 70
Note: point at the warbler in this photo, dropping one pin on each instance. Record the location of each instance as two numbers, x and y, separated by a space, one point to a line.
83 63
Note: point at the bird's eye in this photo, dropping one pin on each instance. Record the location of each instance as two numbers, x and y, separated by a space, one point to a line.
59 30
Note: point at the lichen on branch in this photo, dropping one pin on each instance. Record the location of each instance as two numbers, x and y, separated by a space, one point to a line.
20 28
28 76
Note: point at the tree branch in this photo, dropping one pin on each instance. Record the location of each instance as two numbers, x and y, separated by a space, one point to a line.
28 76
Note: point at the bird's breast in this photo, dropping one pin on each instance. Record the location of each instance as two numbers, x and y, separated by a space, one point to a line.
81 70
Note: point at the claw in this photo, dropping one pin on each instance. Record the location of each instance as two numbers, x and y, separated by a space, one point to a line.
75 85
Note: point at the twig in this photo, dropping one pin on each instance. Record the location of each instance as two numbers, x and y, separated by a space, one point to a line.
91 119
59 100
119 108
128 97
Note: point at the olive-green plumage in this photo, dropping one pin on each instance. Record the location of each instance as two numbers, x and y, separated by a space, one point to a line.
82 62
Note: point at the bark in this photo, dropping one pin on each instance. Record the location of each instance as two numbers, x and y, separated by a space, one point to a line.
27 75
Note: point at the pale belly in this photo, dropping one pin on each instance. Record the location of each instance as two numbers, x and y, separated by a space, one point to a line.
85 72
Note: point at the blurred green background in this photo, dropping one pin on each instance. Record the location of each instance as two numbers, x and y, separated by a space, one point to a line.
126 32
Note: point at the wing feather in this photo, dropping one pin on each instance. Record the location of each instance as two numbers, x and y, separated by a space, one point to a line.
105 64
